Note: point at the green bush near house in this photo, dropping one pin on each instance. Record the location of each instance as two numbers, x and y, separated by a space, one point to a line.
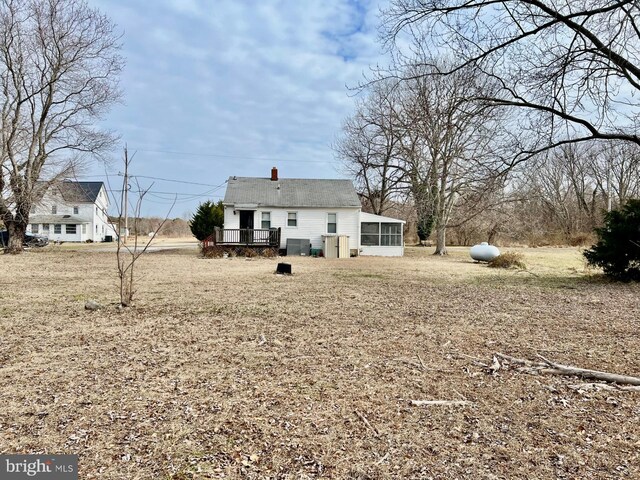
208 216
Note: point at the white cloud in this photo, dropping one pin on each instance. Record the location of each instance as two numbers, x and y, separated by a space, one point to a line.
246 79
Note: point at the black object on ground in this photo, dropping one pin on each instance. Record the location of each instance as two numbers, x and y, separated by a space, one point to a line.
283 269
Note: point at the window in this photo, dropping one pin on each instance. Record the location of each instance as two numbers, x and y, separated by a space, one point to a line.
370 234
385 234
45 228
71 229
292 219
84 228
54 209
266 220
33 209
34 228
76 210
391 234
57 228
332 223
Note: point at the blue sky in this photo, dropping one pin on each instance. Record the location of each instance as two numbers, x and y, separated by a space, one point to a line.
220 88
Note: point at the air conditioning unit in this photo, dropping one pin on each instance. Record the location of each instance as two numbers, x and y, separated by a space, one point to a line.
298 246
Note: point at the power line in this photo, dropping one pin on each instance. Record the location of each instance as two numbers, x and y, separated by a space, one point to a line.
195 195
157 178
180 181
160 200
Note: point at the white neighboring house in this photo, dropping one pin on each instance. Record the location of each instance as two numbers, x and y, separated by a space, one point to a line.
73 212
309 209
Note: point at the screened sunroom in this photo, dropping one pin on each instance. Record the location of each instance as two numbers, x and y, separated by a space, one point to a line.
381 236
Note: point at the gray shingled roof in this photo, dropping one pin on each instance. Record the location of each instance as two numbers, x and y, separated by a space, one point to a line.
66 219
291 192
79 192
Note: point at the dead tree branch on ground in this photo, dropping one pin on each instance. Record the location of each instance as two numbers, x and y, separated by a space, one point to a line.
552 368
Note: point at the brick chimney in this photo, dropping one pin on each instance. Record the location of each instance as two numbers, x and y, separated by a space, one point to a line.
274 174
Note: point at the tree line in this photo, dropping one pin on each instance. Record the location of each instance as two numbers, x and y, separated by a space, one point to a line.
511 120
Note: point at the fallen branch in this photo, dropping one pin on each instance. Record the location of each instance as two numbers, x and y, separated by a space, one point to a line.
552 368
366 422
386 455
604 386
476 361
559 369
421 362
429 403
517 361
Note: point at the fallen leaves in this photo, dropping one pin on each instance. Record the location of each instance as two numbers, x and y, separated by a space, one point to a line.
221 372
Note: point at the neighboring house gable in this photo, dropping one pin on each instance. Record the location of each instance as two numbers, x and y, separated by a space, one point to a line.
72 212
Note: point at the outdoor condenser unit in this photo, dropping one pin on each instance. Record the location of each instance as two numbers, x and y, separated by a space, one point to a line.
298 246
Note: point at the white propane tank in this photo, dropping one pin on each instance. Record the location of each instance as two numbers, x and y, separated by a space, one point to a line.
484 252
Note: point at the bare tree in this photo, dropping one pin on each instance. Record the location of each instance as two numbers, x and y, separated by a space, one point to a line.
570 67
424 139
370 147
448 144
127 255
59 68
553 184
615 169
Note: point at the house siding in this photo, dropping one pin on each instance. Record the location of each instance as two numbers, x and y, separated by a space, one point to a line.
382 251
100 218
312 223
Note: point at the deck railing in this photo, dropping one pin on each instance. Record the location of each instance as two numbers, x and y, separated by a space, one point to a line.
251 237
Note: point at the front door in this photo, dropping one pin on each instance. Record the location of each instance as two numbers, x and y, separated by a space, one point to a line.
246 225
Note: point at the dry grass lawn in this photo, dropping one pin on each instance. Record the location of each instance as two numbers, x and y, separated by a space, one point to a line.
225 370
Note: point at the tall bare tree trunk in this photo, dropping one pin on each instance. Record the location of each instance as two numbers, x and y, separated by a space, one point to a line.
441 243
16 224
16 231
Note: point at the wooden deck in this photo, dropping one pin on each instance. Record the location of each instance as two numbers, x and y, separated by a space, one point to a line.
246 237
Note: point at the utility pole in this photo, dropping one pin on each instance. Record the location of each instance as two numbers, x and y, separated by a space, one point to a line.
125 195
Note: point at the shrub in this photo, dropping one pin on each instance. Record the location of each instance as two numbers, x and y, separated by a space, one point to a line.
617 251
214 251
509 260
247 252
269 252
218 251
581 239
208 216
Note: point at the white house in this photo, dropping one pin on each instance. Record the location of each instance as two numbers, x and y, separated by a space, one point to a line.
72 212
309 209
